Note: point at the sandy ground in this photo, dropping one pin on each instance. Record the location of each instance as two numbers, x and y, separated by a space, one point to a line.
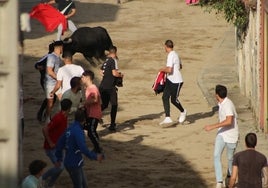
141 153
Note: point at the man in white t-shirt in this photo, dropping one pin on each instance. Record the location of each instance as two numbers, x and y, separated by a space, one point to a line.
66 73
173 84
227 135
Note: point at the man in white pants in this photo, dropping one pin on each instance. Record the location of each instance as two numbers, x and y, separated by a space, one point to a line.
68 9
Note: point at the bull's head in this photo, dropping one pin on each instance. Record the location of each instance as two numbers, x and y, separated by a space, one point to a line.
68 46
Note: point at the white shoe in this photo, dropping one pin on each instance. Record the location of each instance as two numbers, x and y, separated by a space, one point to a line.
166 121
183 116
219 185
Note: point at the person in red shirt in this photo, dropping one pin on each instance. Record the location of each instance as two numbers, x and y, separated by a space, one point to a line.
52 132
93 108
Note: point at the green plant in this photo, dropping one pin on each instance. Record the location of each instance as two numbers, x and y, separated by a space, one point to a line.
234 11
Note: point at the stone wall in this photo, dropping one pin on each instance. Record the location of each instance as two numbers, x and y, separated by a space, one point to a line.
248 62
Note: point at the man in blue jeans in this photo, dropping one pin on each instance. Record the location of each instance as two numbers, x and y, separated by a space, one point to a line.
227 135
74 143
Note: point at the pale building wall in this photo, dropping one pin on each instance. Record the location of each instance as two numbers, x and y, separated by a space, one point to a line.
8 94
248 62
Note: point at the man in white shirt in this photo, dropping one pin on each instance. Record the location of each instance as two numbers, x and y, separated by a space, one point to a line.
173 84
227 135
66 73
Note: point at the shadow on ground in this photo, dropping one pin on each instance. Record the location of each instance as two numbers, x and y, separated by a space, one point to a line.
131 164
201 115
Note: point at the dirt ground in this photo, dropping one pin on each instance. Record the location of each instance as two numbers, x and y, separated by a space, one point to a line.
141 153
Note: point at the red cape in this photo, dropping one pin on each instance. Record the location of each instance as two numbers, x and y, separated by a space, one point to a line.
49 17
159 82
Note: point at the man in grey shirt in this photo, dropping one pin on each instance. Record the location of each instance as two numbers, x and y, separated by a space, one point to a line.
53 63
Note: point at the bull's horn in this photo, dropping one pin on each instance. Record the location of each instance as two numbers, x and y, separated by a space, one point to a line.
67 40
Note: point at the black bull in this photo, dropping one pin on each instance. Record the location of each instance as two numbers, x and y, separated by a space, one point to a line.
90 41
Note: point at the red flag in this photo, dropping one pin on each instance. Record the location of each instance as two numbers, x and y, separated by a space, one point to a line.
49 17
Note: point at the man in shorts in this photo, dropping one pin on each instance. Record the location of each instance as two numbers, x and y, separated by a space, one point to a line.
53 64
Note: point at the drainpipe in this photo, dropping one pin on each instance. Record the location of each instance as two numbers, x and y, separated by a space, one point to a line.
262 30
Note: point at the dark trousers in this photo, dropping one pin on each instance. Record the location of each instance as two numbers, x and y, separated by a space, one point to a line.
171 91
78 177
43 107
92 124
110 96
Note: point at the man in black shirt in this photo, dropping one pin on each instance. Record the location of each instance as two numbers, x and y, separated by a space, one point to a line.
108 89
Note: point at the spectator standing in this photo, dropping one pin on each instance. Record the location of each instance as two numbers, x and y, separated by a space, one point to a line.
249 165
74 143
41 65
93 108
68 9
36 169
52 133
107 88
227 135
53 64
75 95
173 84
65 74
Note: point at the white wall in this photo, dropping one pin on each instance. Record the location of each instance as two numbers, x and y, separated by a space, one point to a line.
8 94
248 61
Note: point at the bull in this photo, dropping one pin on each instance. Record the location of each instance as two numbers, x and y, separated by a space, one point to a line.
90 41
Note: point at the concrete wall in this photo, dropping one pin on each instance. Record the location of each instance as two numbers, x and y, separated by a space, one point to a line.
248 62
8 94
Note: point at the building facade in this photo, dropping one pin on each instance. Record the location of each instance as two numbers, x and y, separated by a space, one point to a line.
251 58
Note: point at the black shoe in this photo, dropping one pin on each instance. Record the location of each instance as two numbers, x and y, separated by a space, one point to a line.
227 180
41 116
101 122
112 127
100 151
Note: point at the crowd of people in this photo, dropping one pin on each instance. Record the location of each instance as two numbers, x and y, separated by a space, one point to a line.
81 106
82 102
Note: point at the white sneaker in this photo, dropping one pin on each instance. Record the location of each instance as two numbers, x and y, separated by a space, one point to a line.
219 185
183 116
166 121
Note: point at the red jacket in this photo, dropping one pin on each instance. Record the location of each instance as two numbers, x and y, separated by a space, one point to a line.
159 83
